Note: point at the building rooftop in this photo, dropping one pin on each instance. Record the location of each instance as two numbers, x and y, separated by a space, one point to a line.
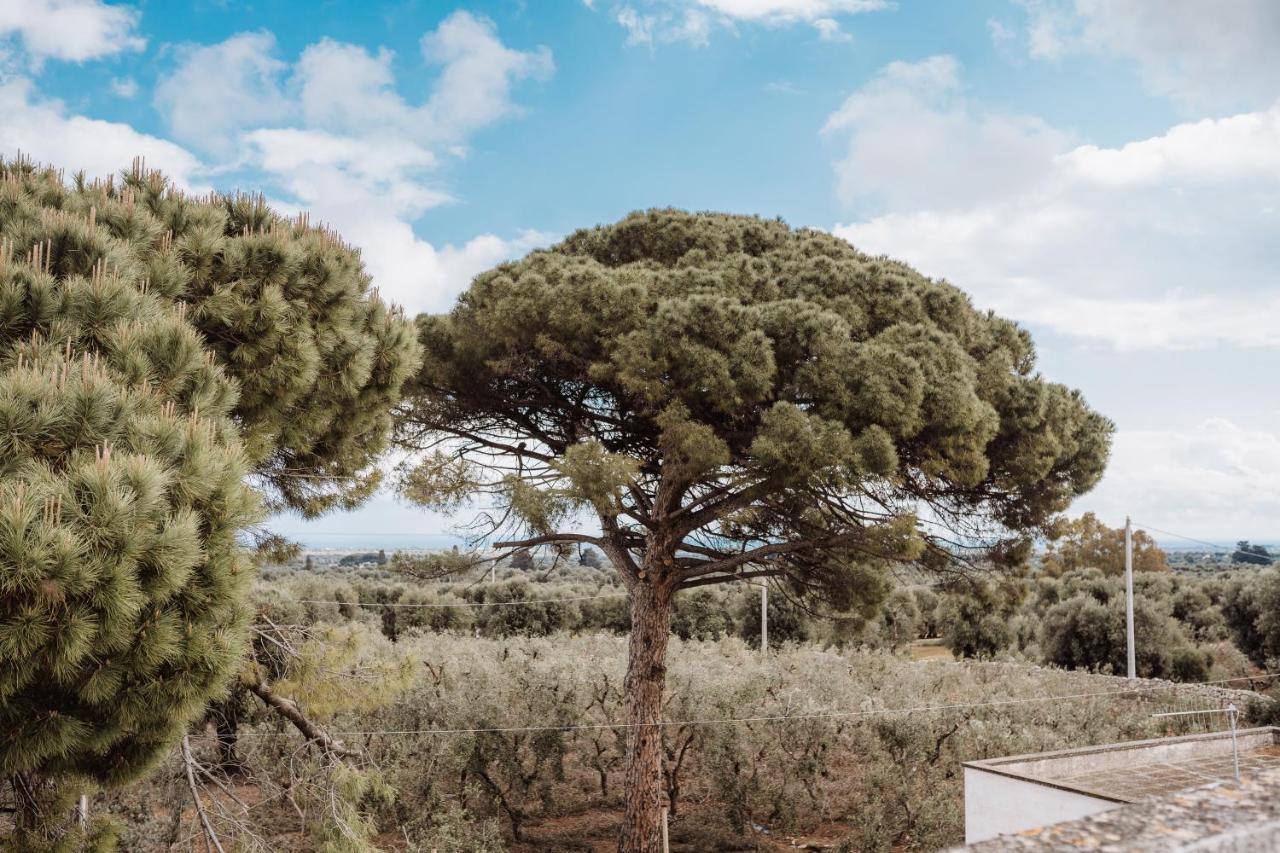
1138 770
1221 817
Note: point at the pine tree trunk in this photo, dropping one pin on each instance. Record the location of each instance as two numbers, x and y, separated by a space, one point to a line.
646 674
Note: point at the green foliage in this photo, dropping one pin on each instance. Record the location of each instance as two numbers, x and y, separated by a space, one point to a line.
346 825
900 618
788 622
320 673
156 350
286 309
1087 543
878 780
1085 633
358 559
1256 555
780 369
732 398
121 495
1251 608
532 619
974 623
703 615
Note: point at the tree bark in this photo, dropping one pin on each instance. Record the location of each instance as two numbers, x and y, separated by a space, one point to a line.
651 600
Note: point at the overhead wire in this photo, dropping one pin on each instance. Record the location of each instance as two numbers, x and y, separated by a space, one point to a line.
781 718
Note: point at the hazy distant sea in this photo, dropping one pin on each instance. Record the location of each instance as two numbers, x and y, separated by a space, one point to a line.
390 541
375 541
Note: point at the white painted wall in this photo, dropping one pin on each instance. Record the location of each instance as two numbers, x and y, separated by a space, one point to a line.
1001 805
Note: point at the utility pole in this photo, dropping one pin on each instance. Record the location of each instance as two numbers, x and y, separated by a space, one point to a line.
1128 594
764 619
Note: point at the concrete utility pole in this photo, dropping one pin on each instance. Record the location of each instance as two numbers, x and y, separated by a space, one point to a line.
1128 594
764 619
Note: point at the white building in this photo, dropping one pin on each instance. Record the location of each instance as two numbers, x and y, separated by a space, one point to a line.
1006 796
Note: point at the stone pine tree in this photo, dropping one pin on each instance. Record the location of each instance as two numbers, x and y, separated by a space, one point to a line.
160 357
732 399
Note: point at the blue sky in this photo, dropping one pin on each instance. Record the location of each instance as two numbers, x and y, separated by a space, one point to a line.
1107 173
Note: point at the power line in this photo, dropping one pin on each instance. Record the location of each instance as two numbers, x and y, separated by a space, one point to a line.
458 603
780 718
1180 536
303 533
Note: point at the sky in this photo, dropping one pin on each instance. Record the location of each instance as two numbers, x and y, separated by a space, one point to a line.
1105 172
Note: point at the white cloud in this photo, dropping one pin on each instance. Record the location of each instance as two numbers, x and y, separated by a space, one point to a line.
474 88
415 273
1220 54
665 27
1214 480
652 22
70 30
124 87
1000 33
913 140
219 89
1166 242
343 88
72 142
789 11
829 30
332 134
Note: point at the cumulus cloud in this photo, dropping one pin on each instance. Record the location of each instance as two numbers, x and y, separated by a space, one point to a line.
1215 479
913 140
665 26
124 87
331 133
73 142
652 22
829 30
69 30
1166 242
1221 54
217 90
789 11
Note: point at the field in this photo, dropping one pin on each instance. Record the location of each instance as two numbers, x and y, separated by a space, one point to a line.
839 751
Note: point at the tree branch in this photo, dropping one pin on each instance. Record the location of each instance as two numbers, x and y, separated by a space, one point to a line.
550 539
211 841
741 576
288 709
775 549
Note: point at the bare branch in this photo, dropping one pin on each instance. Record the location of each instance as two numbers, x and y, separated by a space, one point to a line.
740 576
288 709
551 539
211 841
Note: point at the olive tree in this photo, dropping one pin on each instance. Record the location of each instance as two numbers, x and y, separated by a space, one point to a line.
728 398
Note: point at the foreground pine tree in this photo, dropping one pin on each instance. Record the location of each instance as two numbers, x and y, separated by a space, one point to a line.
121 495
159 355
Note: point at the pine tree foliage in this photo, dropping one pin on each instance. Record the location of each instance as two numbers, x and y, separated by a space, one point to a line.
161 354
121 494
286 308
728 374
